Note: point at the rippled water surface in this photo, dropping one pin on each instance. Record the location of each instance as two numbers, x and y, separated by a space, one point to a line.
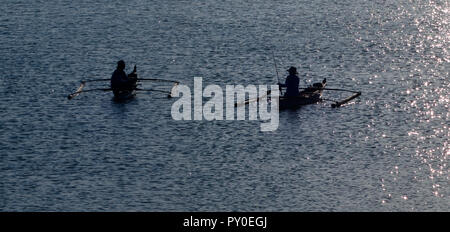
386 151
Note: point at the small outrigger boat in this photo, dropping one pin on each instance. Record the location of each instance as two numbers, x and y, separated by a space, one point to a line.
128 90
124 95
310 95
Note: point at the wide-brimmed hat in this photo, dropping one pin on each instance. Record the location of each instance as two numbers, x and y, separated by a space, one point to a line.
292 70
121 64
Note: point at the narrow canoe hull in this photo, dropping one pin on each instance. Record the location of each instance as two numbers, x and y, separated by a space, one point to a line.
309 96
124 95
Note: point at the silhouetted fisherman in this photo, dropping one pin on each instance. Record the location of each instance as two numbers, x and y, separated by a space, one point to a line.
120 81
291 84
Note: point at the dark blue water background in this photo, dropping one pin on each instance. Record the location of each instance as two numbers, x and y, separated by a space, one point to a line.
386 151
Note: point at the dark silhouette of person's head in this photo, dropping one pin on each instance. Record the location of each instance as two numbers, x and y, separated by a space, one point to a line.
292 71
121 65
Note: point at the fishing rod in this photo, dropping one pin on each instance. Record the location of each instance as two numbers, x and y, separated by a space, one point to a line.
276 70
163 91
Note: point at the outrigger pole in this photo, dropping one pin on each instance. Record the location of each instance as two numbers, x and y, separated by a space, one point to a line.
139 79
96 80
344 90
72 95
169 94
83 84
252 100
155 79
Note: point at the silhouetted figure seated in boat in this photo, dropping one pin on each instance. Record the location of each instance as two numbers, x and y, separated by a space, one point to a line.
291 84
120 81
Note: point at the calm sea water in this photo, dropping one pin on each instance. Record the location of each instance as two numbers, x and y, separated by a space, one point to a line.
386 151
